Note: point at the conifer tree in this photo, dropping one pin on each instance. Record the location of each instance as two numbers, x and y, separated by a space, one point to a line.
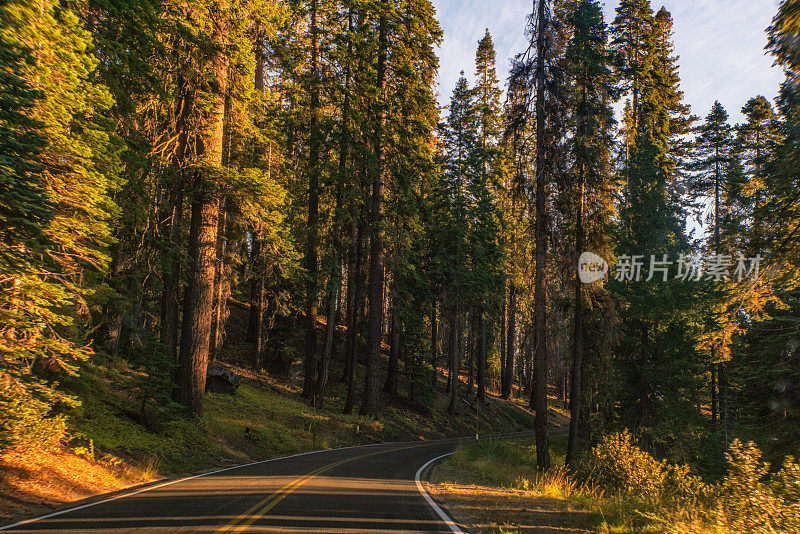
538 76
65 166
592 93
651 223
369 405
714 153
459 140
756 139
485 233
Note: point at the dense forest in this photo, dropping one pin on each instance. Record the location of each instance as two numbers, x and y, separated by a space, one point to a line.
168 166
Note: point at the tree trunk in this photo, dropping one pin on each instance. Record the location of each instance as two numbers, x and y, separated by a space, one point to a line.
355 316
455 341
353 281
481 395
472 349
713 394
327 351
723 401
198 300
310 360
170 307
256 312
539 400
394 356
511 344
255 317
371 399
434 348
503 342
575 398
171 303
215 342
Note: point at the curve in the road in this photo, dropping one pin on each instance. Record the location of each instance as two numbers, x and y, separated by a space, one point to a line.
334 490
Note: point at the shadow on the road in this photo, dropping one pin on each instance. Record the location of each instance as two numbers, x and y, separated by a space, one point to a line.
323 504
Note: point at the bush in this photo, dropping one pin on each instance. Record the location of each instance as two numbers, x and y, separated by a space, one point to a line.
749 500
618 465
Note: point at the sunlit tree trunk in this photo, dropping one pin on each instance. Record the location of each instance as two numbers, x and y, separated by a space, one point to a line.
199 297
371 399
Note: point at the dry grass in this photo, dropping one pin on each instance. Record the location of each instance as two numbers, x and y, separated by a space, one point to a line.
504 510
35 482
495 488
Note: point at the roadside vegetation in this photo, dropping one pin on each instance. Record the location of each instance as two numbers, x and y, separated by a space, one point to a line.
618 488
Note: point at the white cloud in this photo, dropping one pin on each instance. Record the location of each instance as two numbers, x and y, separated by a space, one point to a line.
720 44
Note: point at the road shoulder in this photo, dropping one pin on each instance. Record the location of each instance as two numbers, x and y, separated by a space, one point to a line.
485 505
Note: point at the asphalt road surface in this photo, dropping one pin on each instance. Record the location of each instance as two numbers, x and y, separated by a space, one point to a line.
368 489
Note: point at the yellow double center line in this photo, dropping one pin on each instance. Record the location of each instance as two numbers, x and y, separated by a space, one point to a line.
256 512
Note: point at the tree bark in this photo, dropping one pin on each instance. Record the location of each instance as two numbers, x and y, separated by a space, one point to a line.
311 261
215 342
455 341
394 356
434 348
327 351
481 395
575 397
503 342
355 316
256 313
371 399
198 300
713 396
472 349
171 303
511 344
170 308
539 400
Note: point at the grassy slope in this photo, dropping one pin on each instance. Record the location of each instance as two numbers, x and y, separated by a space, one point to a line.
113 445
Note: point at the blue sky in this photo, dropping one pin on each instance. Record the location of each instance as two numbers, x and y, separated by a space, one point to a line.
720 44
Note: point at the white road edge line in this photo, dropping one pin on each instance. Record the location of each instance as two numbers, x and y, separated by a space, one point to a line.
436 508
169 483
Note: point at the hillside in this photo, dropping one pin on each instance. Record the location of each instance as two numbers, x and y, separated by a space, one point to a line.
114 444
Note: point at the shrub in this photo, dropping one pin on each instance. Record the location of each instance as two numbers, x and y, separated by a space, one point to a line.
750 500
619 465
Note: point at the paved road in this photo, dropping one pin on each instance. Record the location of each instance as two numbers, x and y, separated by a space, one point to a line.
369 489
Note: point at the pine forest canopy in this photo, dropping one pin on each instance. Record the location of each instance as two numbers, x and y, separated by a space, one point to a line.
273 182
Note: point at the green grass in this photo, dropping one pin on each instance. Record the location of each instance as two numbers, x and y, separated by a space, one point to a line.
504 463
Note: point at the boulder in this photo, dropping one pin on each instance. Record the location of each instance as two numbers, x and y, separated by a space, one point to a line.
220 379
